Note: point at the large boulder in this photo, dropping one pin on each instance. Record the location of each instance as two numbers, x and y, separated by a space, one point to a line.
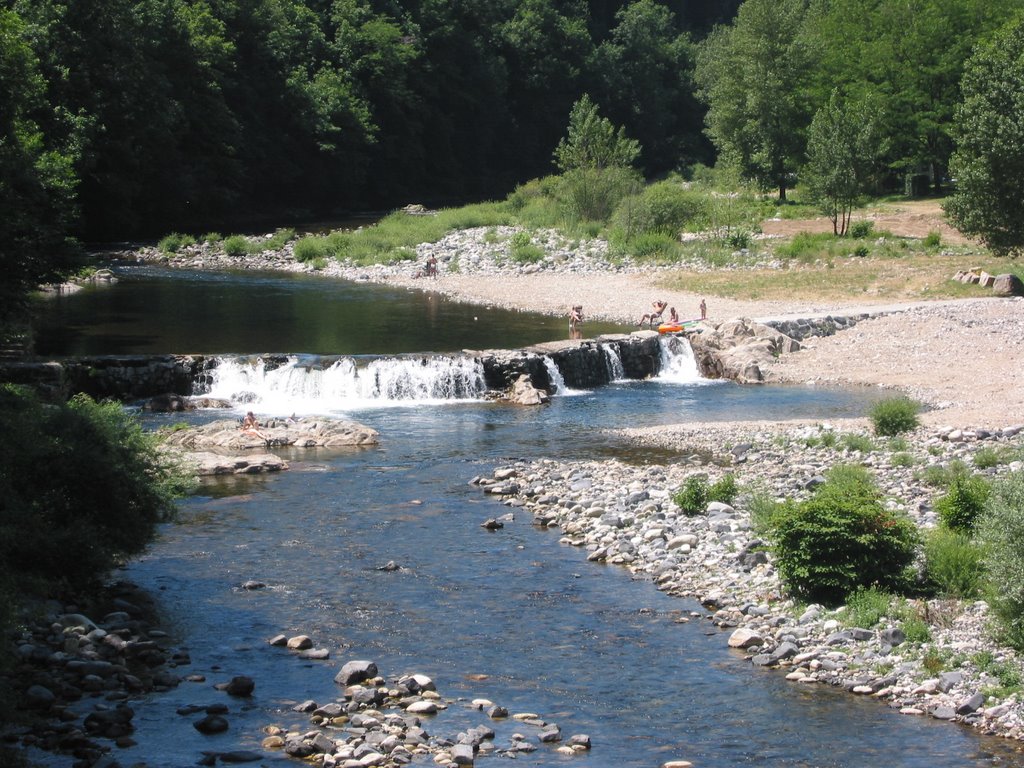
309 432
524 393
1008 285
737 349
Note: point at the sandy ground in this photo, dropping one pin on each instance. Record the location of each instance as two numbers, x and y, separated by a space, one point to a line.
964 358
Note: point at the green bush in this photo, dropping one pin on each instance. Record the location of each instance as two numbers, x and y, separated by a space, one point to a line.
933 239
692 498
938 476
894 415
861 229
237 245
986 458
865 607
663 208
1001 532
591 194
963 503
310 249
83 487
212 237
842 538
724 489
916 629
953 564
650 246
174 242
902 459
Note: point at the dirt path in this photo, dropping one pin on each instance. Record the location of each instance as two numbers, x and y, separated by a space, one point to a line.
911 218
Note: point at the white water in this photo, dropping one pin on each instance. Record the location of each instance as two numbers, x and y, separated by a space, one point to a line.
678 365
308 388
558 380
614 363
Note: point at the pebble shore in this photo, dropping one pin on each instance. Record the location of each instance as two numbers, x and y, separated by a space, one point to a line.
624 515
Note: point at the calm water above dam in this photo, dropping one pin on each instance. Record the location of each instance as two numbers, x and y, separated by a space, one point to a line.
511 615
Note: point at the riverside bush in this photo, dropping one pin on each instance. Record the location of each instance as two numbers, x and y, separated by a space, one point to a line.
865 607
237 245
963 503
83 487
663 208
695 494
894 415
310 249
953 564
174 242
842 538
1001 532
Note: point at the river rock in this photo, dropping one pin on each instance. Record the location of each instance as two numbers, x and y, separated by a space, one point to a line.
211 724
307 432
241 685
208 464
356 672
300 642
1008 285
745 638
524 393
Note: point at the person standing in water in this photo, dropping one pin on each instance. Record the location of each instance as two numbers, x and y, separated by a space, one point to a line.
575 318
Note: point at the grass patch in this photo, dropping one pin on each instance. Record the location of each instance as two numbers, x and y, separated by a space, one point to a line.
854 442
866 607
238 245
278 240
174 242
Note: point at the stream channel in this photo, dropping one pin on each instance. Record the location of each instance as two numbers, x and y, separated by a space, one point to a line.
509 615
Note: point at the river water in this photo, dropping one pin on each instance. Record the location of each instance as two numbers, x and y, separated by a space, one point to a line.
510 615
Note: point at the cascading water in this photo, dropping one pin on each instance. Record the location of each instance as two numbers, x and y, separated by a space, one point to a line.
616 371
678 365
557 379
311 386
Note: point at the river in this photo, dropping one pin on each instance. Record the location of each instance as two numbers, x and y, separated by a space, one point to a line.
510 615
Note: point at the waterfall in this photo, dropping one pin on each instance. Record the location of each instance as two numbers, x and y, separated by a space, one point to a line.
678 365
614 363
555 377
311 385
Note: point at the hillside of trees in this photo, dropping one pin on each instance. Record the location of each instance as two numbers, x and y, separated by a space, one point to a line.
131 118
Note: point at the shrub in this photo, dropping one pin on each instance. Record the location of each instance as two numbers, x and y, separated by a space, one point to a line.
664 208
962 505
653 246
842 538
724 489
692 498
310 249
591 194
1001 532
938 476
237 245
174 242
212 237
83 488
953 564
987 458
894 415
865 607
764 513
916 629
861 229
933 239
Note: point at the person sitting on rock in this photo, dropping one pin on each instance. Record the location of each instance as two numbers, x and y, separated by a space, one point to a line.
250 426
673 316
659 310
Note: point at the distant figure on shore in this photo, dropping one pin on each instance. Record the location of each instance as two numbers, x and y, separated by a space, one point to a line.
431 269
703 310
659 310
250 426
575 318
673 316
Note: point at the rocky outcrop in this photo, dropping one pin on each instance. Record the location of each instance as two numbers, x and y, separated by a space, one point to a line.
208 464
524 393
227 435
737 349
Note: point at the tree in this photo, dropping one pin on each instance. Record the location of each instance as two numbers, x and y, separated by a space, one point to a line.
752 77
593 142
37 180
842 150
989 129
596 160
644 81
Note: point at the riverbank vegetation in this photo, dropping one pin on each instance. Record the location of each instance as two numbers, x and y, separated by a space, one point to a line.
82 488
189 116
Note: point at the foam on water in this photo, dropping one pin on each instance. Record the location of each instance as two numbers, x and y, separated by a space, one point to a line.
678 364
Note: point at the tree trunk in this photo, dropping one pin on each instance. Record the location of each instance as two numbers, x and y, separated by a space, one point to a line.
782 191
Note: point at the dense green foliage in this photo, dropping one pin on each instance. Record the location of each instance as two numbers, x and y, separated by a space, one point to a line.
989 160
960 508
81 488
1001 532
840 539
695 494
953 564
894 415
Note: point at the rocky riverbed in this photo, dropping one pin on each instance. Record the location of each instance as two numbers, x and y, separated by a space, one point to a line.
624 515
